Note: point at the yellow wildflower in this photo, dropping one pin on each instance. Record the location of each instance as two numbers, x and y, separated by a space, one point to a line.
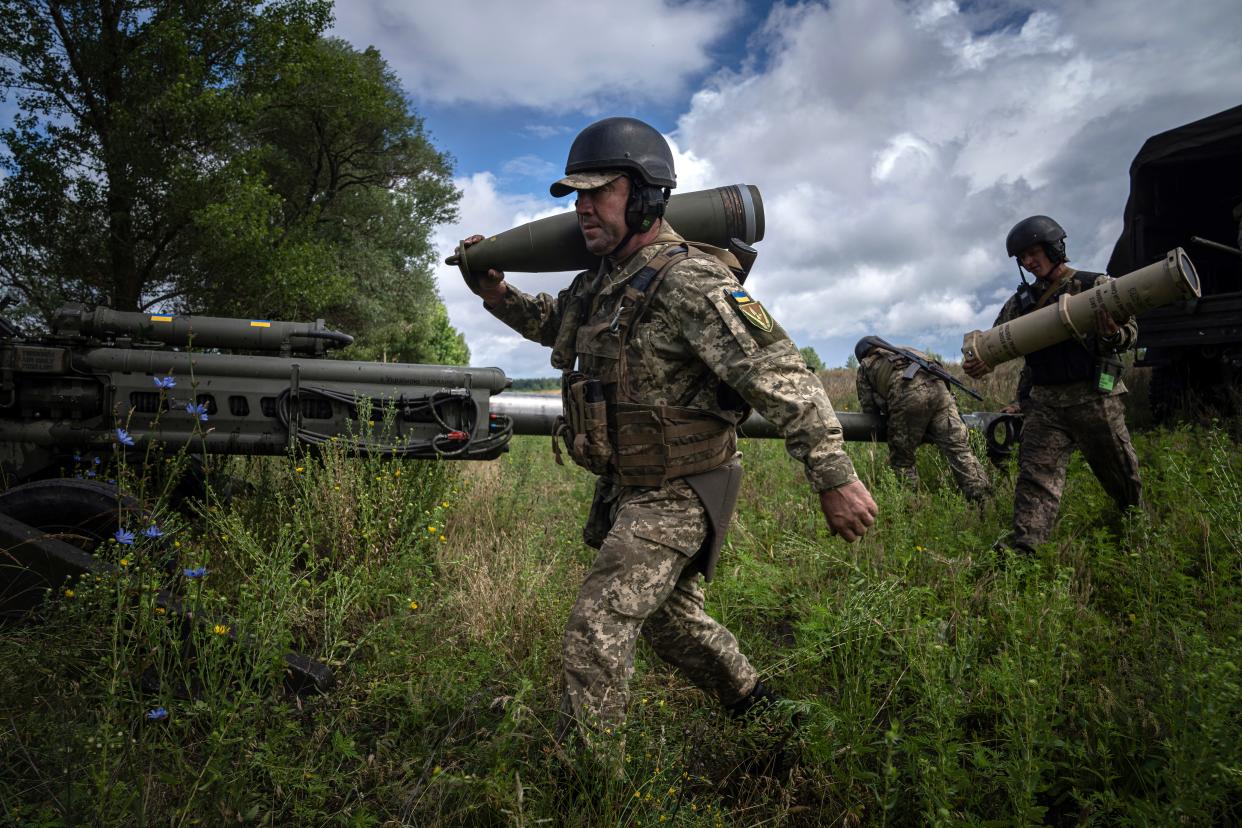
397 473
443 539
160 611
69 593
919 549
220 629
413 605
445 504
638 795
124 561
176 544
431 529
300 469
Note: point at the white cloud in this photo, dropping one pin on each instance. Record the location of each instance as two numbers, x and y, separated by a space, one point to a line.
541 53
532 166
895 145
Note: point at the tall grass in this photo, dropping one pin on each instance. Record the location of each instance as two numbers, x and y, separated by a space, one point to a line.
1093 684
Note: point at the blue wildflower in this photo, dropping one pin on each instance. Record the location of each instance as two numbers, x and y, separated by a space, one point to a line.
196 572
157 715
95 460
123 536
197 409
90 472
153 531
123 437
164 382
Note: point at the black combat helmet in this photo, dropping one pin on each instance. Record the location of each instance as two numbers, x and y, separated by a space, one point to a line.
865 346
1037 230
623 145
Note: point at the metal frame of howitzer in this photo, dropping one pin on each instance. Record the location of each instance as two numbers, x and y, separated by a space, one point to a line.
67 392
535 414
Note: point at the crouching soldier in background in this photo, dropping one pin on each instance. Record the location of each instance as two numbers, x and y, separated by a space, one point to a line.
1070 393
916 405
660 351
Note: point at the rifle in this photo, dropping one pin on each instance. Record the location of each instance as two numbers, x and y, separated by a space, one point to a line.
917 362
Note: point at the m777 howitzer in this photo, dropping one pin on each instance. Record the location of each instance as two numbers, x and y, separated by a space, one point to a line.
101 369
101 378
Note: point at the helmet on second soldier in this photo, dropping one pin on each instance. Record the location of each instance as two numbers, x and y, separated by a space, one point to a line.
865 346
629 146
1039 230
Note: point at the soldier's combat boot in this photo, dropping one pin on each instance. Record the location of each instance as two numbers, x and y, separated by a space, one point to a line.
754 702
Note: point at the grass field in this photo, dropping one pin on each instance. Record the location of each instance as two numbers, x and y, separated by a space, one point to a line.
1096 684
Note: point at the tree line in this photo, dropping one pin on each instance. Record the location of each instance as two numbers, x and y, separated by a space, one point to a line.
220 157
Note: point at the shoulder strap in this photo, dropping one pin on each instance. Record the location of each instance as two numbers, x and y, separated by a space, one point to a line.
638 292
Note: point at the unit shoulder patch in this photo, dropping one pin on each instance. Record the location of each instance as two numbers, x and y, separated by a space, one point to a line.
751 311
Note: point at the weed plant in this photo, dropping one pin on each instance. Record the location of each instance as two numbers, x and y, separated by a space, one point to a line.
939 683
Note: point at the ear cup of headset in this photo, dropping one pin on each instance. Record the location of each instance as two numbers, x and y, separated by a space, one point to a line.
645 205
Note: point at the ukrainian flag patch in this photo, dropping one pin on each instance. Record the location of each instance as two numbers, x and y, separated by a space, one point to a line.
161 319
260 323
751 310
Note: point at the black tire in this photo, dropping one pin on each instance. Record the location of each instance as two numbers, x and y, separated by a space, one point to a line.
81 513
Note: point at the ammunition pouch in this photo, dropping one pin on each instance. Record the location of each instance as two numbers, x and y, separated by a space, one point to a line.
584 424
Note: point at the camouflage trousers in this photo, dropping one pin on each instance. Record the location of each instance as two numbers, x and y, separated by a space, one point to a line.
1049 435
919 408
640 584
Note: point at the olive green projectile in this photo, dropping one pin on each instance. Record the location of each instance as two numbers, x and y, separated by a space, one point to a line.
554 244
1154 286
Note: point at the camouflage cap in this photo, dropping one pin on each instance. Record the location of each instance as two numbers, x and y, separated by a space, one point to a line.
583 181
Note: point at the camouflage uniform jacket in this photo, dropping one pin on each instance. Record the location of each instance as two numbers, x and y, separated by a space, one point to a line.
875 377
691 338
1073 393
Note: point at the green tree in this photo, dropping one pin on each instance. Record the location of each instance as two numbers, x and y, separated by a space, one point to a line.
812 359
123 106
851 362
218 156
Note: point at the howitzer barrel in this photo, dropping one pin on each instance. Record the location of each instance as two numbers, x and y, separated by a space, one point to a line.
210 369
534 414
1158 284
199 331
555 243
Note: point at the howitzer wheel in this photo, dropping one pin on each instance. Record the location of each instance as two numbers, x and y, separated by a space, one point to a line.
81 513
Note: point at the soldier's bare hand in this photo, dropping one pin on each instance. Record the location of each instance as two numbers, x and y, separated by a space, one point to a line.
849 510
976 368
490 286
1105 325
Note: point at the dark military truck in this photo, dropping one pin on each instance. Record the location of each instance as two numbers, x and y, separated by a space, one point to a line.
1186 191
